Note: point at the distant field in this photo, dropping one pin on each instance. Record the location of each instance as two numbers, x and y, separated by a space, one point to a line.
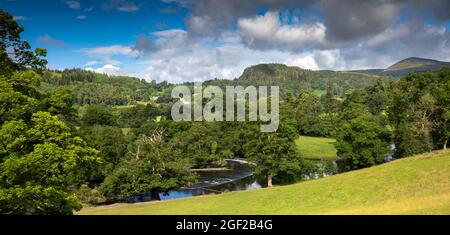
133 105
416 185
316 147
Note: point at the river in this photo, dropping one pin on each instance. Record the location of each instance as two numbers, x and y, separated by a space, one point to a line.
239 177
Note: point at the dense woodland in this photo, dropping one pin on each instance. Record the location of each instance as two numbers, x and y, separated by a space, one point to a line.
74 137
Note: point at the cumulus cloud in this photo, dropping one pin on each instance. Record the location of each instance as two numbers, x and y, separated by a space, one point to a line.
267 32
306 61
107 53
229 62
345 20
389 35
353 19
81 17
111 70
222 38
167 42
209 18
175 62
172 56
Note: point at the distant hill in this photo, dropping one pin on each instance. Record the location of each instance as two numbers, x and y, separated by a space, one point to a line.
409 65
414 64
294 79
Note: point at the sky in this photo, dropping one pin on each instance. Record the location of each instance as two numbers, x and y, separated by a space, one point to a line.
188 40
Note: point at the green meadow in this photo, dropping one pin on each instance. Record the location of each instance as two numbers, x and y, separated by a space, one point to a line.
415 185
316 147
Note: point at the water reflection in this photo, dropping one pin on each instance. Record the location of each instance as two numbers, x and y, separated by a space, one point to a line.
238 178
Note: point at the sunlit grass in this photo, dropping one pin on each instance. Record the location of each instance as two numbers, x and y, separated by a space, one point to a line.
416 185
316 147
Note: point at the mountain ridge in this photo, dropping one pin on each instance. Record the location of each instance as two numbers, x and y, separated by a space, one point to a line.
405 66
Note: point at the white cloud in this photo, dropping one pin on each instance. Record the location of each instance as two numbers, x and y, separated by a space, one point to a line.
389 35
107 53
176 56
267 31
111 70
306 62
81 17
110 50
330 59
223 62
73 4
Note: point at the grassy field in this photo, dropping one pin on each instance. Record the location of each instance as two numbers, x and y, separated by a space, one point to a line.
416 185
316 147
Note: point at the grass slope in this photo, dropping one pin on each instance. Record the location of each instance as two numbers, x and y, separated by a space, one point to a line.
408 65
414 63
416 185
316 147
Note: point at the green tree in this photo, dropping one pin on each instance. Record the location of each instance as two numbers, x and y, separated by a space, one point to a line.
40 161
377 97
419 112
112 145
199 144
153 168
18 98
39 164
275 154
98 115
308 114
59 102
362 142
441 133
15 54
354 105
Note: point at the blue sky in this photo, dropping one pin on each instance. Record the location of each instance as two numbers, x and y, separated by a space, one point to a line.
187 40
65 31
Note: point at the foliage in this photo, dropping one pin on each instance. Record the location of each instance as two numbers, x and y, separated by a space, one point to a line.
39 163
98 115
362 142
275 154
15 54
17 96
151 168
419 112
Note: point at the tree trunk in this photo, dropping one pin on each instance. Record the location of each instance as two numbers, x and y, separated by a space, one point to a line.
154 194
269 181
445 144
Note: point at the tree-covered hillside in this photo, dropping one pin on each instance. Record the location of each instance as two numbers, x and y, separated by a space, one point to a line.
294 79
93 88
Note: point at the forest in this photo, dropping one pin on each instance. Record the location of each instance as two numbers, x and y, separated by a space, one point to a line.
74 137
